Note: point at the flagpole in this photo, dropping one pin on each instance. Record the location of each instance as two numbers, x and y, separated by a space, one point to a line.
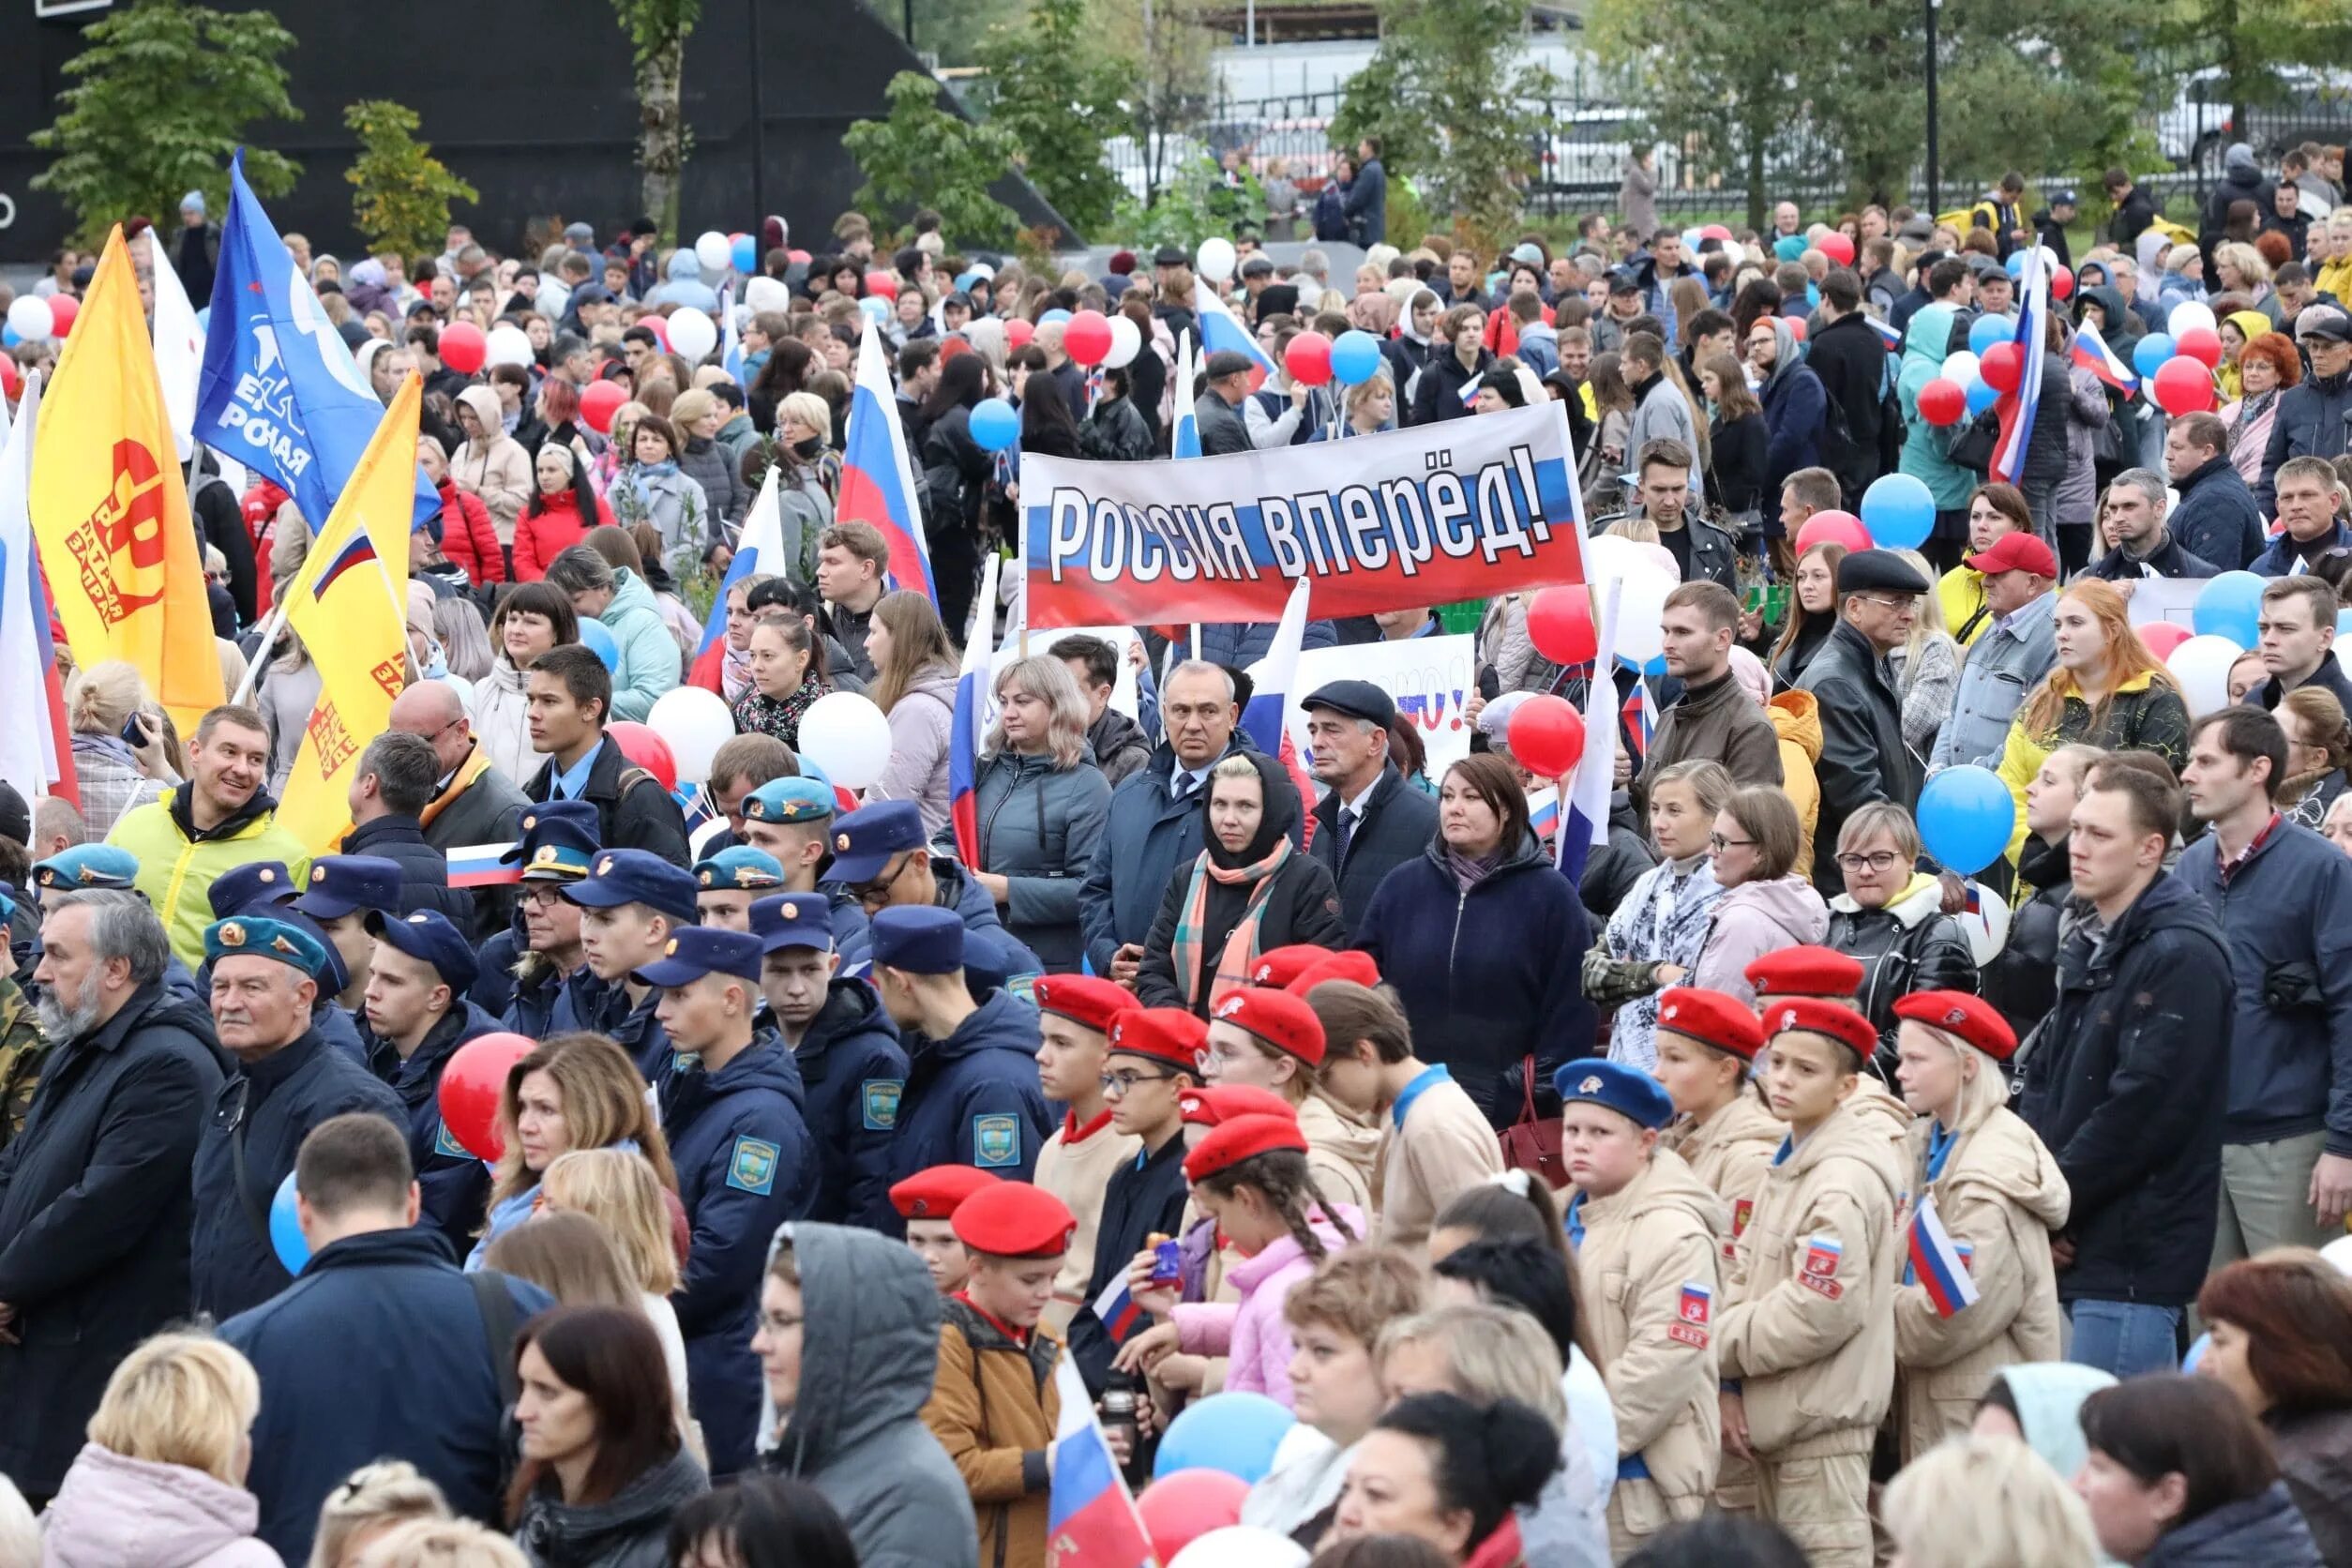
270 627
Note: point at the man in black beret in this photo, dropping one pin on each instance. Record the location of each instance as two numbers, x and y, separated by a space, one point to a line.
1218 409
1863 757
1371 821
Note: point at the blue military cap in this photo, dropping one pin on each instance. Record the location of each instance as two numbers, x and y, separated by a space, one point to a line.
620 877
793 920
429 935
738 869
789 800
255 884
863 841
88 866
559 838
922 939
261 937
342 884
1627 1091
699 950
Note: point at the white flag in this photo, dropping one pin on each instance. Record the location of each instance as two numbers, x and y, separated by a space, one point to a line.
179 347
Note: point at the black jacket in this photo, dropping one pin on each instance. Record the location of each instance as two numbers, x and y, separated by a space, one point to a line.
2127 1083
2217 520
2169 559
453 1185
1303 906
1910 946
1145 1197
2314 420
1223 431
221 523
2022 979
956 470
643 817
2133 216
95 1207
628 1530
1851 363
2328 677
1437 394
1863 757
1118 744
1116 432
423 869
487 812
1735 468
1399 821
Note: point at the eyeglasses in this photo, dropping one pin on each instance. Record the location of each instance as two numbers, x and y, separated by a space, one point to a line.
1212 1059
1902 602
873 895
542 897
1115 1086
1876 860
781 1322
1718 843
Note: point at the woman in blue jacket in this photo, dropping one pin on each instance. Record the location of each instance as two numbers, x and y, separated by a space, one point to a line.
1483 940
1040 806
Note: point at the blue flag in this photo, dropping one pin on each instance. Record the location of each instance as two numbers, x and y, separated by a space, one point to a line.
280 392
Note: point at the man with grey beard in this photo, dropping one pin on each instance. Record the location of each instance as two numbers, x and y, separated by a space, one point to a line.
96 1200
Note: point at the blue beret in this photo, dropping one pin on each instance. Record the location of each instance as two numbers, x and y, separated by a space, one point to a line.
262 938
429 935
1627 1091
255 884
88 865
621 877
789 800
699 950
863 841
922 939
559 838
738 869
793 920
342 884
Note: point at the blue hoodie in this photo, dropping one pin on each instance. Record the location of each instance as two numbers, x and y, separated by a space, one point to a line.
1923 444
685 286
972 1098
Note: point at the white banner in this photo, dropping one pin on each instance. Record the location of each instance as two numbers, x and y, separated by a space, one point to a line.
1430 677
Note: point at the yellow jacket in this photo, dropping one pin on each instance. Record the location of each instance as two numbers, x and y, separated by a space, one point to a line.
2138 715
1796 717
1960 595
2336 278
176 868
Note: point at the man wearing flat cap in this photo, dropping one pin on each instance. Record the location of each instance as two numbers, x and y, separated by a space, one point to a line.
1370 823
1863 757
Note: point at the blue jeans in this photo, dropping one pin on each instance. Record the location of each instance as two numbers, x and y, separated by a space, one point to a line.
2124 1338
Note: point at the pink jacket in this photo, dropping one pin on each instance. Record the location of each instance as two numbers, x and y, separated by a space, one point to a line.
1251 1332
117 1513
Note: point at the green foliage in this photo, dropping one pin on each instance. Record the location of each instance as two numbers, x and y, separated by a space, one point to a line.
402 195
922 155
1178 213
2250 40
1053 90
163 92
1372 105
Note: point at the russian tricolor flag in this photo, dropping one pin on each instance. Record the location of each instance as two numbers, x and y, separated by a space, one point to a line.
1184 439
1639 722
1543 813
36 750
1273 677
877 483
1221 330
1588 820
2091 353
1117 1311
1938 1263
972 701
1888 333
1091 1520
759 547
2016 409
483 865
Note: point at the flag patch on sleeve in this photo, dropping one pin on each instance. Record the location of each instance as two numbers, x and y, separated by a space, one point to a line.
752 1167
1690 1317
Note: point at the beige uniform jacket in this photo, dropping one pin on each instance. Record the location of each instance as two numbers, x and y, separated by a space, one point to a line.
1729 1152
1076 1166
1341 1153
1443 1146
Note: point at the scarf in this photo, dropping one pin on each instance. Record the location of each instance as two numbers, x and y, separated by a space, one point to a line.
475 765
1241 948
1470 870
663 469
734 674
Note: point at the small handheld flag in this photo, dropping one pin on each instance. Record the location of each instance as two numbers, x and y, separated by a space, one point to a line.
1586 820
2016 410
1220 329
1117 1311
1938 1263
967 731
1091 1519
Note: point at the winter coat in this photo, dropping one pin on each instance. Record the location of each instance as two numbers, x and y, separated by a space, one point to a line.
1796 415
955 470
1119 744
640 816
452 1183
2216 519
1510 988
2141 715
921 722
2004 663
870 1361
1864 755
94 1210
2314 420
1437 1142
1396 824
1301 906
720 475
496 469
993 1407
2288 556
1753 919
1797 725
1253 1333
550 527
972 1098
1908 945
1039 823
2022 978
177 865
1738 454
381 1347
1149 836
2127 1084
650 665
1367 204
1663 920
1715 721
853 1071
115 1512
2266 1530
2315 1452
2087 414
501 719
468 536
1923 444
629 1529
111 780
1850 360
665 495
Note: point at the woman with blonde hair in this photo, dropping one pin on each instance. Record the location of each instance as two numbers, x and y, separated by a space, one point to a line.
1986 1503
1041 804
1927 666
577 1090
619 1193
2319 753
106 703
442 1544
162 1482
915 685
1654 937
374 1501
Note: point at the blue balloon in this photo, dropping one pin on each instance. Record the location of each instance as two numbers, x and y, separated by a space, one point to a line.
9 337
1056 314
744 251
2016 264
1987 330
1355 357
1899 511
285 1229
596 638
1236 1433
204 318
2228 606
876 307
994 424
1980 395
1965 816
2150 353
2196 1352
2343 622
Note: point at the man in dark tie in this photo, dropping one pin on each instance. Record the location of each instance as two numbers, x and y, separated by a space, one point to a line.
1370 820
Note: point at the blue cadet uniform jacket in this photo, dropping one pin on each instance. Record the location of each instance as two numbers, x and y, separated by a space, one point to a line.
452 1183
547 1002
268 1106
605 1009
494 984
991 951
854 1070
746 1165
972 1098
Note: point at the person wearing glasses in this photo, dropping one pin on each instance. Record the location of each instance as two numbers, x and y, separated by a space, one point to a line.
1863 758
883 861
1890 919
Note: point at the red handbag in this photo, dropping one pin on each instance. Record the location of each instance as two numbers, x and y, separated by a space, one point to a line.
1532 1142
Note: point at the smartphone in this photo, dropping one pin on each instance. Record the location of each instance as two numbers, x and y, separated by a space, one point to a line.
134 734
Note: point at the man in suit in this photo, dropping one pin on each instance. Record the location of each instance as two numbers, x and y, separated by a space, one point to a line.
1371 821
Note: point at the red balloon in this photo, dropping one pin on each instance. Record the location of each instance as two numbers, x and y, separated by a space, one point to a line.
658 326
798 257
1018 331
9 381
1559 624
2184 385
1179 1508
1796 327
1942 402
2002 366
62 310
2062 283
1838 248
1546 736
1307 357
1086 338
648 750
1833 528
1714 231
2201 344
463 347
882 283
599 400
472 1085
2163 637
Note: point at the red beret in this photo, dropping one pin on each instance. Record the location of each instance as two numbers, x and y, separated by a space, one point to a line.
1278 1017
1084 999
1229 1143
1013 1219
1812 1016
1222 1102
1167 1034
1712 1018
937 1193
1973 1018
1278 966
1354 965
1805 972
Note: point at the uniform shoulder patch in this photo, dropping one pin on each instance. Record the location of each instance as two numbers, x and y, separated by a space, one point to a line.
1692 1314
751 1168
446 1142
996 1141
880 1099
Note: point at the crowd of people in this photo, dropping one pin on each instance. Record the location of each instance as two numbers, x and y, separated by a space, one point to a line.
1769 1193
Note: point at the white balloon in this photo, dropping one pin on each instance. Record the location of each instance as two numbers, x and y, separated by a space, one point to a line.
1961 367
1215 259
767 293
696 723
1241 1546
2189 313
29 314
507 345
1641 611
1608 555
2201 665
1126 342
692 333
714 251
846 735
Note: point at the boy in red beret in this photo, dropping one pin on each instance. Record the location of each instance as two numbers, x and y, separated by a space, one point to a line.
928 1201
1074 1018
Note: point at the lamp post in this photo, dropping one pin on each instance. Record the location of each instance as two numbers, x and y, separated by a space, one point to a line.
1933 203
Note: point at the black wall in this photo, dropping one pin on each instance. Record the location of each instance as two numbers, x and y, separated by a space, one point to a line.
530 100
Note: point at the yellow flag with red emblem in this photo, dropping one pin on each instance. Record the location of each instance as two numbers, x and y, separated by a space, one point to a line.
110 508
354 621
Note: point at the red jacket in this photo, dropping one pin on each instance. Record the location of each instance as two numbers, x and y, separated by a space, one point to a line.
540 539
467 537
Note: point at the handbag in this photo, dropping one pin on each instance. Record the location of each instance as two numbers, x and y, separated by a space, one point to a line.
1532 1142
1973 445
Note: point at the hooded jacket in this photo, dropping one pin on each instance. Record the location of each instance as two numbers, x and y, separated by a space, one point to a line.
853 1070
921 725
1730 1153
650 664
177 863
494 468
1252 1332
2264 1529
1908 945
972 1098
1796 717
1751 920
719 472
682 284
2314 420
1039 823
629 1529
1923 444
1796 411
993 1407
870 1361
115 1512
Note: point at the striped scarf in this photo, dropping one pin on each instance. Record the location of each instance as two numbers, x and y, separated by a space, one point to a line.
1241 948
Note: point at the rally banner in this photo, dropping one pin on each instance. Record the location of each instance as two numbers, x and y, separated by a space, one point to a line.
1431 680
1459 510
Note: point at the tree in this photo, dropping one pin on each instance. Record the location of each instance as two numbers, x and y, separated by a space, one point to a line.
657 29
163 92
923 156
2252 40
401 203
1053 87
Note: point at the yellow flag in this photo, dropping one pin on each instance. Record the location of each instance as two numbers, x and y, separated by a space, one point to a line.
349 613
110 510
